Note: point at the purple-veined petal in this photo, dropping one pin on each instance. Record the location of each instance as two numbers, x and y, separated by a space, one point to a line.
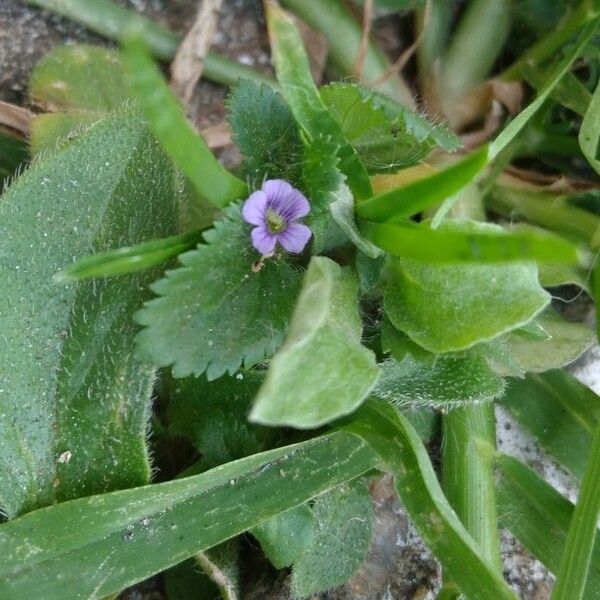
295 238
254 208
263 241
296 207
276 191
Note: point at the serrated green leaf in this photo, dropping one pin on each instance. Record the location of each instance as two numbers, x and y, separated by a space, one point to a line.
386 135
559 412
458 241
299 89
79 77
129 259
324 334
284 537
564 343
321 180
102 544
74 402
215 312
589 134
392 437
343 524
265 132
538 516
167 121
213 416
447 308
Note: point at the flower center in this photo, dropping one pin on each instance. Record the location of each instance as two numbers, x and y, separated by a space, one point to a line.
275 222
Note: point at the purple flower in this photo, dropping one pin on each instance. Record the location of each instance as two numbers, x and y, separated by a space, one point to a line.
274 210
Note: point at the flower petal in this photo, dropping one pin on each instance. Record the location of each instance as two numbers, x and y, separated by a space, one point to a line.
277 191
262 240
254 208
296 207
295 238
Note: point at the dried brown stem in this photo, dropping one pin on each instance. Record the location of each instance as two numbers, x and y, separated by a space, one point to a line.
15 117
363 47
187 66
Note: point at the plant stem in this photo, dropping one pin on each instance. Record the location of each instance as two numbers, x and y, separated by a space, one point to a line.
343 33
575 559
114 22
550 44
475 46
468 446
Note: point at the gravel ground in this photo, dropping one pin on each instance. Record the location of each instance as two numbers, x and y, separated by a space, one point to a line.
399 566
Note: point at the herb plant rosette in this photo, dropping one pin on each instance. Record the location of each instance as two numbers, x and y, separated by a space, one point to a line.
305 323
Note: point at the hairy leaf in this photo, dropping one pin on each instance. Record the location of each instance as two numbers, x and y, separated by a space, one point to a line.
48 131
386 135
322 371
561 343
339 543
213 416
447 308
214 312
80 78
441 381
284 537
74 403
265 132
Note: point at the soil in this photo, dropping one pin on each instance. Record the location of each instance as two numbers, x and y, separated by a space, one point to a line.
399 566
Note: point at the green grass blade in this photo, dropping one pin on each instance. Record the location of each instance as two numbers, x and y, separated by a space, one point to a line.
101 544
420 242
538 516
561 413
589 134
410 199
299 89
577 553
547 210
129 259
168 123
517 124
392 437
